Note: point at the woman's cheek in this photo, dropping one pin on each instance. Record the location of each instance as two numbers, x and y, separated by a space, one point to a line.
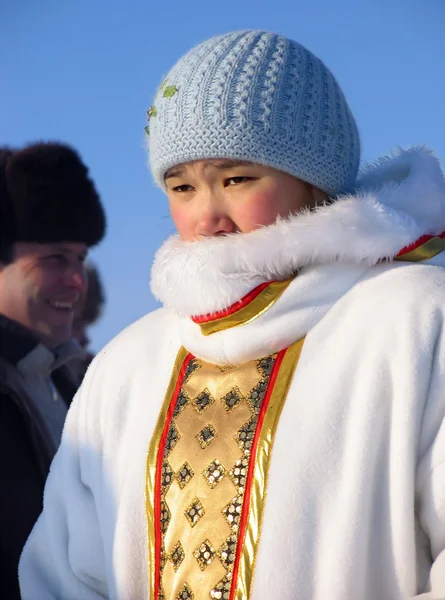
261 209
182 218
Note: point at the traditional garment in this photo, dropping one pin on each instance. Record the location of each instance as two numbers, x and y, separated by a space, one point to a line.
276 430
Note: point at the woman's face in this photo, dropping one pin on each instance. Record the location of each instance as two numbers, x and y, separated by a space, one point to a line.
216 197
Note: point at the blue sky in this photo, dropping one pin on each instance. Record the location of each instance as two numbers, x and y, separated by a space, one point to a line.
85 72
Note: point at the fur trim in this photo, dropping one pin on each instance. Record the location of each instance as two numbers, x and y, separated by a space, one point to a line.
48 196
397 199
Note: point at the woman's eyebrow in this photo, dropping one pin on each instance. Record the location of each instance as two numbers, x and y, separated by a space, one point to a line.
221 164
230 164
176 172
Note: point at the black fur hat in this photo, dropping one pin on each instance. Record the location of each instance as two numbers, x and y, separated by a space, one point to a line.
47 196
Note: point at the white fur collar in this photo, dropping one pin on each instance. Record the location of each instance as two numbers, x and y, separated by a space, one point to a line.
398 199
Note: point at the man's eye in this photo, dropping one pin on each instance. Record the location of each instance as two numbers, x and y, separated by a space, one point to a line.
183 188
236 180
56 257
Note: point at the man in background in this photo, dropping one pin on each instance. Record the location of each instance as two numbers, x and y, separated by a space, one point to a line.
50 215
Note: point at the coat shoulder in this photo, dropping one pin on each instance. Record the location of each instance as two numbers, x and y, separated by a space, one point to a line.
141 342
410 290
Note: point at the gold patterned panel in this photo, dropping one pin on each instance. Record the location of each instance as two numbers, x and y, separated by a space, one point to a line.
203 450
151 469
213 459
257 491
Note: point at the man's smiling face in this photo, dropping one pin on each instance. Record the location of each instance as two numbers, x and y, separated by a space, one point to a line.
41 286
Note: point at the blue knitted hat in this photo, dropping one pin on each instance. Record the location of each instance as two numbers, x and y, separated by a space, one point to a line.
259 97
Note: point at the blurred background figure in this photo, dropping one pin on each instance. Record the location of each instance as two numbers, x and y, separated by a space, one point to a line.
50 215
88 313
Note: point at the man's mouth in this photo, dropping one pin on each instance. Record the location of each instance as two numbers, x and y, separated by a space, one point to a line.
62 304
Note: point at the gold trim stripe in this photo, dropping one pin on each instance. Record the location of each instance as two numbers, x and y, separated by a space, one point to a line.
150 473
428 250
254 309
260 474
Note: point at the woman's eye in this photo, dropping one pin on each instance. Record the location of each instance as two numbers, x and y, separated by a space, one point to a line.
237 180
182 188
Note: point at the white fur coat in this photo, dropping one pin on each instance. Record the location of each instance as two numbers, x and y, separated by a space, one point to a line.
355 504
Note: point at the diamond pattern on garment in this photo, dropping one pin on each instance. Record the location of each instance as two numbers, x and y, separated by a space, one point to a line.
173 438
182 401
232 513
224 368
265 365
165 516
221 591
184 475
204 554
232 399
238 473
193 366
206 436
189 447
186 593
177 555
227 552
194 512
245 434
167 476
214 473
163 557
256 396
203 401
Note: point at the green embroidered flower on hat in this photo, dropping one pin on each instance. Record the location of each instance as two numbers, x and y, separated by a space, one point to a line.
169 91
151 112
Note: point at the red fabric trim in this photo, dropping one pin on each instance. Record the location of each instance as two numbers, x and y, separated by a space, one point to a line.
422 240
245 300
245 511
159 461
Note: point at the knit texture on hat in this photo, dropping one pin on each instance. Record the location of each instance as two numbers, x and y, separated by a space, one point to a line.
260 97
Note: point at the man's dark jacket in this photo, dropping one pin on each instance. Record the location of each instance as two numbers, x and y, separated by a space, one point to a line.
26 448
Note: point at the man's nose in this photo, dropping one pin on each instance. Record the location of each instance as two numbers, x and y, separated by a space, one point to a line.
76 277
